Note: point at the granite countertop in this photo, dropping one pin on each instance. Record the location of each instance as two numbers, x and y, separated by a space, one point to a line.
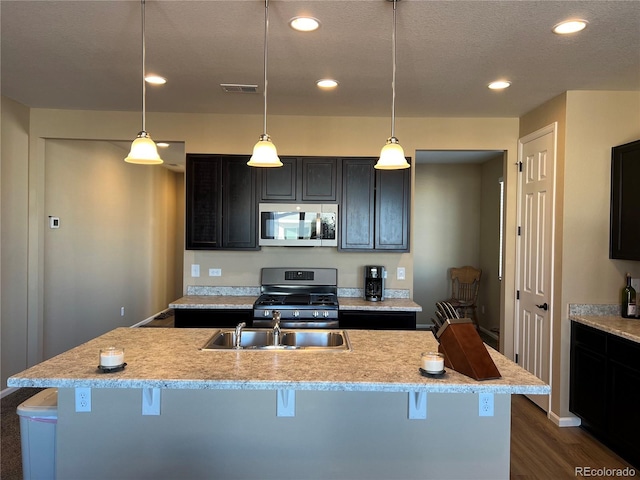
385 361
628 328
246 302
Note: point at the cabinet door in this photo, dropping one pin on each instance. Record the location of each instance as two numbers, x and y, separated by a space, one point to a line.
392 209
587 395
372 320
624 242
624 395
203 202
280 183
357 206
319 180
238 203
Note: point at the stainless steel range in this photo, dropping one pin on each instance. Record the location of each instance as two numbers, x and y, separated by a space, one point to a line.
305 298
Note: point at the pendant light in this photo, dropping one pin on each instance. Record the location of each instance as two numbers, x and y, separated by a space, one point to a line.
264 152
392 155
143 150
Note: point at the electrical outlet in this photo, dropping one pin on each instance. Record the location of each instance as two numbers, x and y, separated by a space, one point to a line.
83 399
400 273
195 270
485 404
122 311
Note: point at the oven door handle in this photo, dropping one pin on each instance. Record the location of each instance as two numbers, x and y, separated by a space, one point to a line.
310 324
298 324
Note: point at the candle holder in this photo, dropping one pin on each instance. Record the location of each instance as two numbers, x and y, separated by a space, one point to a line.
432 364
111 359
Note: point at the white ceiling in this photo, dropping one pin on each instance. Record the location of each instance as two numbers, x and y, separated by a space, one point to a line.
86 55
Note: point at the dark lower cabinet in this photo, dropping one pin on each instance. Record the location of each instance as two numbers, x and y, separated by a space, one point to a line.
211 318
372 320
605 388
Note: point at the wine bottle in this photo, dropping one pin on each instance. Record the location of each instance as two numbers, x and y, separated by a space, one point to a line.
629 308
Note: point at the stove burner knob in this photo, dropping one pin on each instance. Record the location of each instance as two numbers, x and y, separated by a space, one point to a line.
316 314
325 314
296 313
266 313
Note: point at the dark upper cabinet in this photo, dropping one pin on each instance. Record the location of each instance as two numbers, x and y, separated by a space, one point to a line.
301 179
374 207
392 209
624 242
220 202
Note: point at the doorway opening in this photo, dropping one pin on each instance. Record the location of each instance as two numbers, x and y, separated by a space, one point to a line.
458 222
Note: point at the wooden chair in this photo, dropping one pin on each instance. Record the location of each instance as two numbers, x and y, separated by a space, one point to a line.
465 283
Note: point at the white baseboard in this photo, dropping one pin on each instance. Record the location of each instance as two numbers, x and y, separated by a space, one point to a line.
147 320
570 421
8 391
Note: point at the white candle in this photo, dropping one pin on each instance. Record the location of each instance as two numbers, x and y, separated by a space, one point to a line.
432 362
111 357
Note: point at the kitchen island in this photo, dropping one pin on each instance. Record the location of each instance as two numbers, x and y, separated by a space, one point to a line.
177 411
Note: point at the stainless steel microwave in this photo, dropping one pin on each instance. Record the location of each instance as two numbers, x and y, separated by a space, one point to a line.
298 225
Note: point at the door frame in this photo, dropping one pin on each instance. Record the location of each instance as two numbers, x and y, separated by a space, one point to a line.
553 130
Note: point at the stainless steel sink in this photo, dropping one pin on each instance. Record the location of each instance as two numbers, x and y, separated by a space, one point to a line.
262 339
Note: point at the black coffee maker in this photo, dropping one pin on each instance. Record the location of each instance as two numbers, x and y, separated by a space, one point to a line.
374 283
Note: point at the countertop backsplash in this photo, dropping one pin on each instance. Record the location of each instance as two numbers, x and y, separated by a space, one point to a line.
255 291
578 309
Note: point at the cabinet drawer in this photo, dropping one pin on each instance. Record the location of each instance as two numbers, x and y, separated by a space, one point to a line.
589 337
625 352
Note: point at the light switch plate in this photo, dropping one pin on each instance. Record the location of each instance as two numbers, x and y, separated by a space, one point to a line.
400 273
195 270
215 272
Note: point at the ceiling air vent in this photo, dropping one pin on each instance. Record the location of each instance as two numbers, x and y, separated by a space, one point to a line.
238 88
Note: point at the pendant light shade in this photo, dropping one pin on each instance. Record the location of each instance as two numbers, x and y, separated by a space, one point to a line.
143 150
392 155
264 152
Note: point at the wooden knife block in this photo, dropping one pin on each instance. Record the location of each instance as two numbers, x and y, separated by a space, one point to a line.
464 350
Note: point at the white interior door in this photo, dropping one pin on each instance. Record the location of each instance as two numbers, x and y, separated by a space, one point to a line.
536 198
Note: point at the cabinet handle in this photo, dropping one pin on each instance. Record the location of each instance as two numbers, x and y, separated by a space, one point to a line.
544 306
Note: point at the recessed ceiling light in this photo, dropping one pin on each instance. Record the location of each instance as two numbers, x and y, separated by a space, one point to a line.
499 85
327 83
304 24
570 26
155 79
162 144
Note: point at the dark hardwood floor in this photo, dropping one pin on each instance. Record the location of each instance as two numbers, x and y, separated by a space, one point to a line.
541 450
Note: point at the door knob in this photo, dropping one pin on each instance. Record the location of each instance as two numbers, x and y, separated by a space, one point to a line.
544 306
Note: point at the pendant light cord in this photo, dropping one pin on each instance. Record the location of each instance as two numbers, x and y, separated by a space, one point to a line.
266 39
144 86
393 80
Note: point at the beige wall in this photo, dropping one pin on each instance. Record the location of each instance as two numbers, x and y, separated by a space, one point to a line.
13 227
489 296
589 124
115 247
447 221
347 136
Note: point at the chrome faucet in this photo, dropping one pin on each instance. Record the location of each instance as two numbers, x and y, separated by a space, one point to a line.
238 343
275 321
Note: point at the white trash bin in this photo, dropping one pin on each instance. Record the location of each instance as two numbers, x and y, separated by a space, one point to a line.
38 420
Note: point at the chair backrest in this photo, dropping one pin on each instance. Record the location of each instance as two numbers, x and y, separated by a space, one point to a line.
465 282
